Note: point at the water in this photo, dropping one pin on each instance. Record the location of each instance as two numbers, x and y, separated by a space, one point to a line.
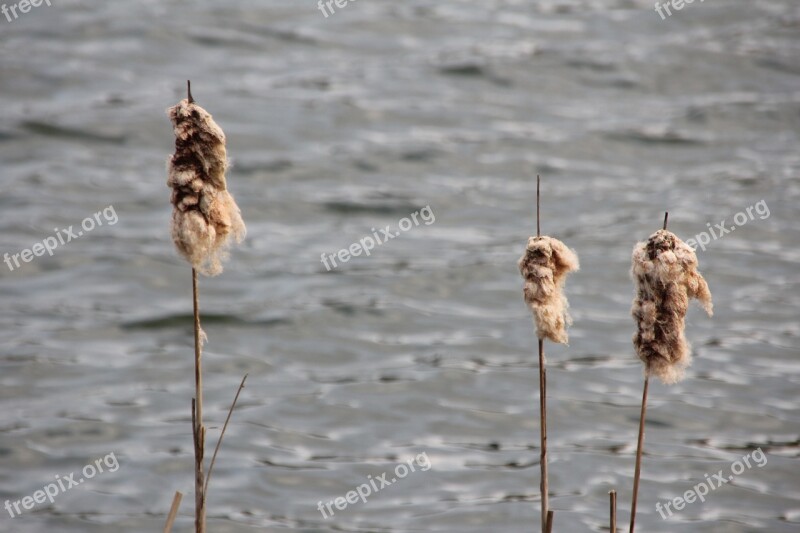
340 125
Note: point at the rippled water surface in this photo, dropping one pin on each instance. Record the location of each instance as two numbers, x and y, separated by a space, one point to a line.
343 124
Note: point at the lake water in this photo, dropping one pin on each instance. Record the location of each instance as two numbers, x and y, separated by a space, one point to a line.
343 124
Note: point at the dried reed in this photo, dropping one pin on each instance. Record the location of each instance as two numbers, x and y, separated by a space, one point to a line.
612 496
665 271
204 217
544 267
205 214
173 511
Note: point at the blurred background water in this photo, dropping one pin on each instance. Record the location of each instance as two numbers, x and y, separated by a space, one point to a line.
342 124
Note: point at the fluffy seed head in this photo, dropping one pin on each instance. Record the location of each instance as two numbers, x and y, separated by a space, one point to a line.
665 272
205 215
544 267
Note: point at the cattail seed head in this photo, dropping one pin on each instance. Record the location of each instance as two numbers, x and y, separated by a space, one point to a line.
204 213
544 266
665 272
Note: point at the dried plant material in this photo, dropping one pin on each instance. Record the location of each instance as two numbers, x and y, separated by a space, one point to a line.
666 276
204 213
545 266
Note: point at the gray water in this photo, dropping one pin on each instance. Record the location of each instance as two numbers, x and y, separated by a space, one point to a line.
343 124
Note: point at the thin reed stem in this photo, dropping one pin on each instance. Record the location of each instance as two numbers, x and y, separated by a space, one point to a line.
173 511
639 449
538 226
612 495
222 434
544 485
197 415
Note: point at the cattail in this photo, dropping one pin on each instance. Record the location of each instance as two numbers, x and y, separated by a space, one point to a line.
204 216
544 266
204 213
665 271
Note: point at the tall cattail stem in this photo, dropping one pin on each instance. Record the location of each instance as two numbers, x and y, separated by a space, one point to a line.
640 441
197 418
639 450
544 485
544 267
204 217
665 272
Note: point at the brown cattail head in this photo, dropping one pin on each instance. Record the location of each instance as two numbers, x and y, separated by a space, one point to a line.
544 266
665 272
204 213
